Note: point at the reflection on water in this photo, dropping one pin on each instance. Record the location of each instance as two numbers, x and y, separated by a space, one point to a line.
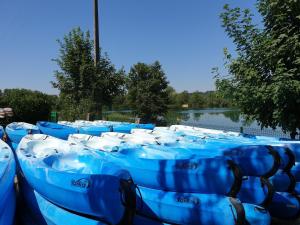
224 119
227 117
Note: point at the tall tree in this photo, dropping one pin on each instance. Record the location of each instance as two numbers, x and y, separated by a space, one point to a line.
264 77
79 80
147 91
77 72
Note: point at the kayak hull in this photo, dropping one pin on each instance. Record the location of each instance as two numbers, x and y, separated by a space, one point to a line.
284 206
7 213
84 183
187 208
7 174
56 130
17 130
257 191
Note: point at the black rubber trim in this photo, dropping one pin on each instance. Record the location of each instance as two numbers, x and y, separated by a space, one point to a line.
128 197
271 191
276 164
292 159
236 187
240 211
293 182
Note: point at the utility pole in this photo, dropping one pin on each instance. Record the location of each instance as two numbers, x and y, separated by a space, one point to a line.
96 32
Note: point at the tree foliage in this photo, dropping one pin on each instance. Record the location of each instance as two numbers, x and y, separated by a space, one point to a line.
79 81
28 106
147 91
264 77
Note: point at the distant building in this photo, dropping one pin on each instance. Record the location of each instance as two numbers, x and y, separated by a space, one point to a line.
185 106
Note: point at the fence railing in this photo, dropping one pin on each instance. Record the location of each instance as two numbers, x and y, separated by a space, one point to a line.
243 129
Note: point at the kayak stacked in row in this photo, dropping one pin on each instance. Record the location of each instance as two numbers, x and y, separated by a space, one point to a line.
176 175
96 128
63 129
282 201
62 183
66 183
17 130
169 181
7 189
254 190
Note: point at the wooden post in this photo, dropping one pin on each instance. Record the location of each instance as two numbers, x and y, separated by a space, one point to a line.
96 33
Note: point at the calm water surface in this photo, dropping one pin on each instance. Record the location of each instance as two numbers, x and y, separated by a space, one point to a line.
224 119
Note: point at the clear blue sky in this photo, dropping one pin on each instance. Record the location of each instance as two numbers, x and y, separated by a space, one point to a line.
184 35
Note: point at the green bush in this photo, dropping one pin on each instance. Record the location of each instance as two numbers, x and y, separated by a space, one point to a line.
28 106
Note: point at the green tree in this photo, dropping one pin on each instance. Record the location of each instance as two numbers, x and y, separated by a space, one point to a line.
28 106
196 100
264 76
82 85
182 98
147 91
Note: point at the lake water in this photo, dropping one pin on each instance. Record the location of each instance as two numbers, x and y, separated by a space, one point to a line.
216 118
224 119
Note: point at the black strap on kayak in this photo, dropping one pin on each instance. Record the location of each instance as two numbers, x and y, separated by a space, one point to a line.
271 191
292 159
235 188
141 197
239 216
293 182
276 163
128 199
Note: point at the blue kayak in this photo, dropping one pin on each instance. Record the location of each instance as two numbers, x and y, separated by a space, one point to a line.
7 212
75 178
7 192
253 160
1 132
147 126
87 127
287 158
187 208
256 190
163 170
94 130
297 188
283 181
296 171
284 206
141 220
124 128
37 210
17 130
293 146
56 130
